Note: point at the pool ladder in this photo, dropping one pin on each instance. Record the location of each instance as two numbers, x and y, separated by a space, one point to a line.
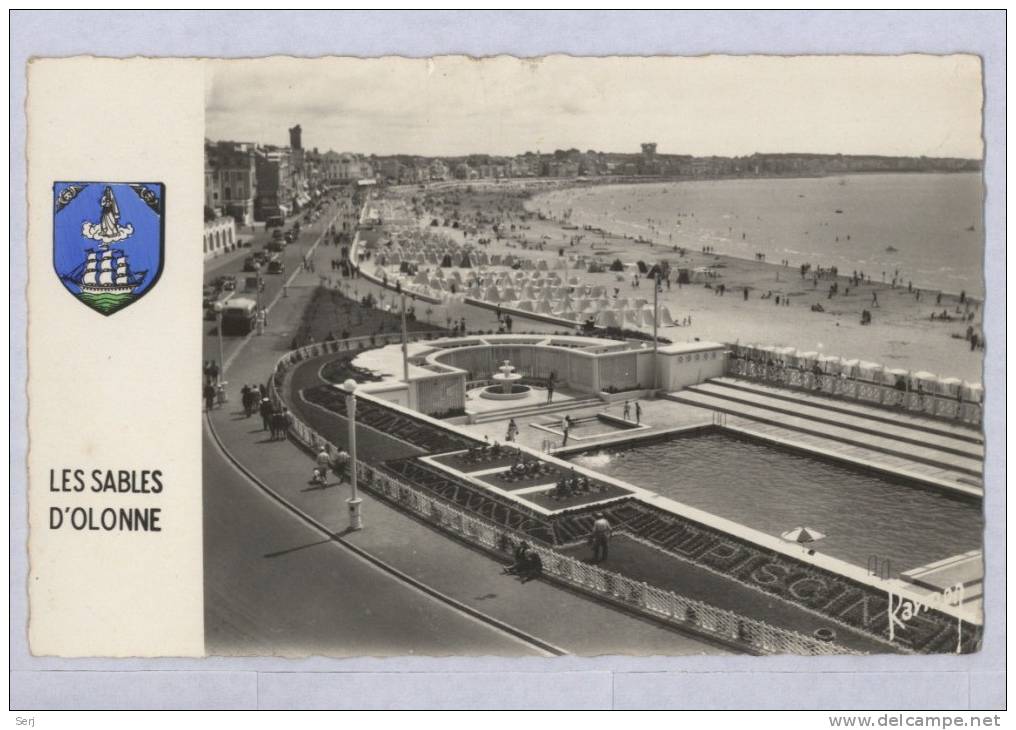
719 418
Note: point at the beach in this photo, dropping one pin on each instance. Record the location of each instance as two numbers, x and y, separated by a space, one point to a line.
712 306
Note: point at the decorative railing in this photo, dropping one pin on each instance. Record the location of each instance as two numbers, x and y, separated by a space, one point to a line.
856 389
728 627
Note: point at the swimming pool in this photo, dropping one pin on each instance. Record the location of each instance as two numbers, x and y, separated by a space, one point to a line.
773 490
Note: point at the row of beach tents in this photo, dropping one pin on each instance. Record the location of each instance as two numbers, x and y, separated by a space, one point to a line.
861 370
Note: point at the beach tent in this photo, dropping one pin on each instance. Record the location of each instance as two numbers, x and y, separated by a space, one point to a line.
597 291
607 318
786 354
829 363
973 392
542 265
870 371
890 376
927 381
647 317
849 367
526 305
664 316
560 264
806 359
949 386
543 307
491 295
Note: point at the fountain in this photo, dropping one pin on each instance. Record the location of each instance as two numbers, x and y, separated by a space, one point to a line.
506 385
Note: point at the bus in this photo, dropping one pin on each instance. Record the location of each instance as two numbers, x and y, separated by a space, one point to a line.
238 316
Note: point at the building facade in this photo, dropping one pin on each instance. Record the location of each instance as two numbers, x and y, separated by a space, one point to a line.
219 234
231 180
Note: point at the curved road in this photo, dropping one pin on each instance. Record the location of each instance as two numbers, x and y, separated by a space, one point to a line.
276 586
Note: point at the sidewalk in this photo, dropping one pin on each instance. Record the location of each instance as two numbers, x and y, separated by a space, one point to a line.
576 624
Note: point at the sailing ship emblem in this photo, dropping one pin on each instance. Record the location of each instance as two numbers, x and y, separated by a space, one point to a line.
108 241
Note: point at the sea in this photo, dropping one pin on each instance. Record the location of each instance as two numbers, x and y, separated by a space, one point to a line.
925 228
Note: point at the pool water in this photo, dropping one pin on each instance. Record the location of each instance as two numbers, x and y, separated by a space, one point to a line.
774 490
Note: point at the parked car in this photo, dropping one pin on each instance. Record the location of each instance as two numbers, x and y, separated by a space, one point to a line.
225 283
251 263
275 221
261 257
276 266
290 236
277 234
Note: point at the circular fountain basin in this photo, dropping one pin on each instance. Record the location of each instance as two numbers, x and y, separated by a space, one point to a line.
506 391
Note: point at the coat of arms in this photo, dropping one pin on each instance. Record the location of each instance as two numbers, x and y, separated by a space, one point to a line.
108 241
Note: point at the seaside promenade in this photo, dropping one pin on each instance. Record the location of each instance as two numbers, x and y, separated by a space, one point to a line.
467 587
418 555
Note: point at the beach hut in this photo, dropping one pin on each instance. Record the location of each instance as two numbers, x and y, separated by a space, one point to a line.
542 265
560 264
848 367
924 381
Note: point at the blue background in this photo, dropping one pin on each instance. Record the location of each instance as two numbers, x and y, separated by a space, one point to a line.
143 247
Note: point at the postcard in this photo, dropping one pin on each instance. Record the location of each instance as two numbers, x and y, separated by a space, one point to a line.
564 356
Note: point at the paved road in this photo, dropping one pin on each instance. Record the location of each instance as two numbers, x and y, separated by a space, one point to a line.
292 255
276 586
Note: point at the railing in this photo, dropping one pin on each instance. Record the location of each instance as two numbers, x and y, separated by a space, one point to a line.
862 391
753 635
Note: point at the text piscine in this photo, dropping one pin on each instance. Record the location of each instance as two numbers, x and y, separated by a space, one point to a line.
114 482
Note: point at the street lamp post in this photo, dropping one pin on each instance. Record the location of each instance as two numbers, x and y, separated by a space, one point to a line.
218 330
354 502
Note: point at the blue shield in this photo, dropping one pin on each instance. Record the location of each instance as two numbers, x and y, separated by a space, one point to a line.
108 241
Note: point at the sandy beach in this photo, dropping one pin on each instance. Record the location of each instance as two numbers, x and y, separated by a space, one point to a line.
901 334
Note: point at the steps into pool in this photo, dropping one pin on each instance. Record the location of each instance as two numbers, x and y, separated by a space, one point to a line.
563 405
957 431
861 422
940 453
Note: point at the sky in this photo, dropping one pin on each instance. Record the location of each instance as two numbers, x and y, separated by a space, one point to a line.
711 105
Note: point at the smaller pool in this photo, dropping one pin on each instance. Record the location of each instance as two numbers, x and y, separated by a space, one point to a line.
773 490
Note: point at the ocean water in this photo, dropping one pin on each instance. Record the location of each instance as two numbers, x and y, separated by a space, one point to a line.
933 221
861 514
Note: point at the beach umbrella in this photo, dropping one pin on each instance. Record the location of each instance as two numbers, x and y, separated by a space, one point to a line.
802 535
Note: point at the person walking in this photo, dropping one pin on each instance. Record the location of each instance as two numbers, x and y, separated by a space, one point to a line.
626 414
245 399
600 537
565 428
550 388
638 412
513 430
266 414
209 395
213 371
322 462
